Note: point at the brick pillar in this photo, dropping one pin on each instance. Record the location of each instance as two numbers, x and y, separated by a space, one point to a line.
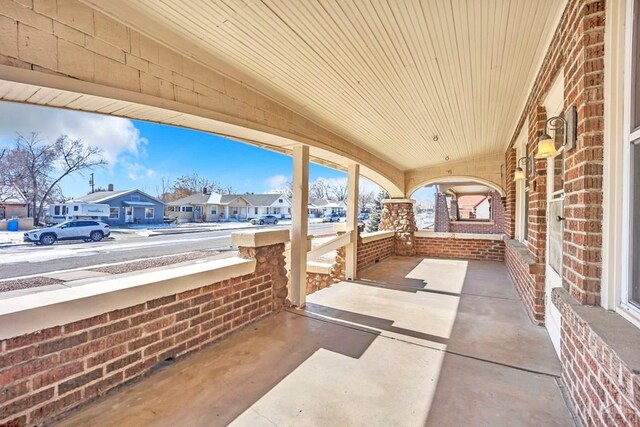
454 212
510 198
267 248
441 219
582 266
397 215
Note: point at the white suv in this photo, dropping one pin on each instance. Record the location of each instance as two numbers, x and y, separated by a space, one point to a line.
89 231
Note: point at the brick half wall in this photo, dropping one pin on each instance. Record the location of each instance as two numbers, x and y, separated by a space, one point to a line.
528 277
118 336
460 246
600 363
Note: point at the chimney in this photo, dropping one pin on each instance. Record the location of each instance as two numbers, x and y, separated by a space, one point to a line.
204 190
110 187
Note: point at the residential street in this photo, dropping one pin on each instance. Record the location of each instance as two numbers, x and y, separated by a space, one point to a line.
26 260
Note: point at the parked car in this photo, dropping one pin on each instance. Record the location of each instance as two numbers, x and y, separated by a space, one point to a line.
331 218
169 219
89 231
363 217
264 219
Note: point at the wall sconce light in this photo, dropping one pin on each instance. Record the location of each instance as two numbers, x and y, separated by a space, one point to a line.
546 144
519 175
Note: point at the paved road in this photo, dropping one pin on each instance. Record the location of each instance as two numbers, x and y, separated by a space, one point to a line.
28 260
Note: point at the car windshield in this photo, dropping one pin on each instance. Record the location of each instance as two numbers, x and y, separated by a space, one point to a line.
61 224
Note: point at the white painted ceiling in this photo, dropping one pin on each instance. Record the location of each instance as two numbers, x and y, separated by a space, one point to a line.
387 75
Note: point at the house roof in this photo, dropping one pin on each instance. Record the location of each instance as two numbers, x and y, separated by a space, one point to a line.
470 202
104 196
262 199
10 194
194 199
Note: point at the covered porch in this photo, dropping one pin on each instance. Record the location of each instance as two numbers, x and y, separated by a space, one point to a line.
414 341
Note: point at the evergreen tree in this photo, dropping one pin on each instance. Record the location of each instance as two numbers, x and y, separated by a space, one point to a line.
374 221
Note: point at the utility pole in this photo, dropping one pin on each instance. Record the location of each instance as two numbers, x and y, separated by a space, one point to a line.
91 183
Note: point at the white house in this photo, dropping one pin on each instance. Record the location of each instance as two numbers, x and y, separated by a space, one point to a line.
321 207
211 207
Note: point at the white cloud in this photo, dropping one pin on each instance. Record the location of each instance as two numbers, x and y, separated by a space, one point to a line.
276 181
114 135
135 171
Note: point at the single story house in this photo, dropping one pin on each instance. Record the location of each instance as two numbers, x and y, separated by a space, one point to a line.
321 207
209 207
128 206
13 203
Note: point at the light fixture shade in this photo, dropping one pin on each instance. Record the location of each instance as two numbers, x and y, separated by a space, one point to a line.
546 147
519 175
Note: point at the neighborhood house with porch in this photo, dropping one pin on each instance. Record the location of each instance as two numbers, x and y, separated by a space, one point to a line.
210 207
127 206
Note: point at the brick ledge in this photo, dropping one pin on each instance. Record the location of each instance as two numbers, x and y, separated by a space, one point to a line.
614 330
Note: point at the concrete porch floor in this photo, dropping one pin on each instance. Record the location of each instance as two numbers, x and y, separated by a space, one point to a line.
414 342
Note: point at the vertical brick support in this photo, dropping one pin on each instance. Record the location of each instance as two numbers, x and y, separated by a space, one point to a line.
510 198
397 215
584 74
537 232
441 220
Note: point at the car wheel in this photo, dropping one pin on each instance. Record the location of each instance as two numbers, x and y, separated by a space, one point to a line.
47 239
96 236
275 222
261 222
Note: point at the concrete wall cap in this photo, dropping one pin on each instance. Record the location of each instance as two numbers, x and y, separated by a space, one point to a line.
318 267
40 310
376 235
258 238
468 236
392 201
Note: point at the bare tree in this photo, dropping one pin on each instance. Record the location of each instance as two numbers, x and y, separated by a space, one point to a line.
365 199
36 167
189 184
163 189
337 190
318 189
286 190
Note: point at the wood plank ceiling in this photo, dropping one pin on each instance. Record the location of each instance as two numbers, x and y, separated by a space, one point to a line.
413 81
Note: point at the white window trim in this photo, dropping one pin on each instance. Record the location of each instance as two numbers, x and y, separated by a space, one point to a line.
616 248
521 151
117 210
153 212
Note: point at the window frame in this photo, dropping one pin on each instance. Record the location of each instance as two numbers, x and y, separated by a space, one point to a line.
146 213
631 139
111 209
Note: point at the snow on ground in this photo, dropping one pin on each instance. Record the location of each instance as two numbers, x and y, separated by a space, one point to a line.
11 237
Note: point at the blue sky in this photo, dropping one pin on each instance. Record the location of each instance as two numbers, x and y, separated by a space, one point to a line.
140 154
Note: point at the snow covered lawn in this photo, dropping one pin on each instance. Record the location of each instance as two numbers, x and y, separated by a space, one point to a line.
11 237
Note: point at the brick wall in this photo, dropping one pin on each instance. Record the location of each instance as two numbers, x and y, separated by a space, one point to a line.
441 218
461 248
509 228
374 251
577 51
48 372
317 281
604 390
443 224
528 277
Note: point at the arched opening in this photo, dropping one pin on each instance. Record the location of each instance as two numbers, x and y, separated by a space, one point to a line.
460 205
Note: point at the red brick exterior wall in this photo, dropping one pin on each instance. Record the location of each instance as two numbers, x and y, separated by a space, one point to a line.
509 223
577 51
528 277
438 247
372 252
602 387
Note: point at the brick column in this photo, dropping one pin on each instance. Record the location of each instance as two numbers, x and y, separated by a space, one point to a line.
267 248
441 220
397 215
510 199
